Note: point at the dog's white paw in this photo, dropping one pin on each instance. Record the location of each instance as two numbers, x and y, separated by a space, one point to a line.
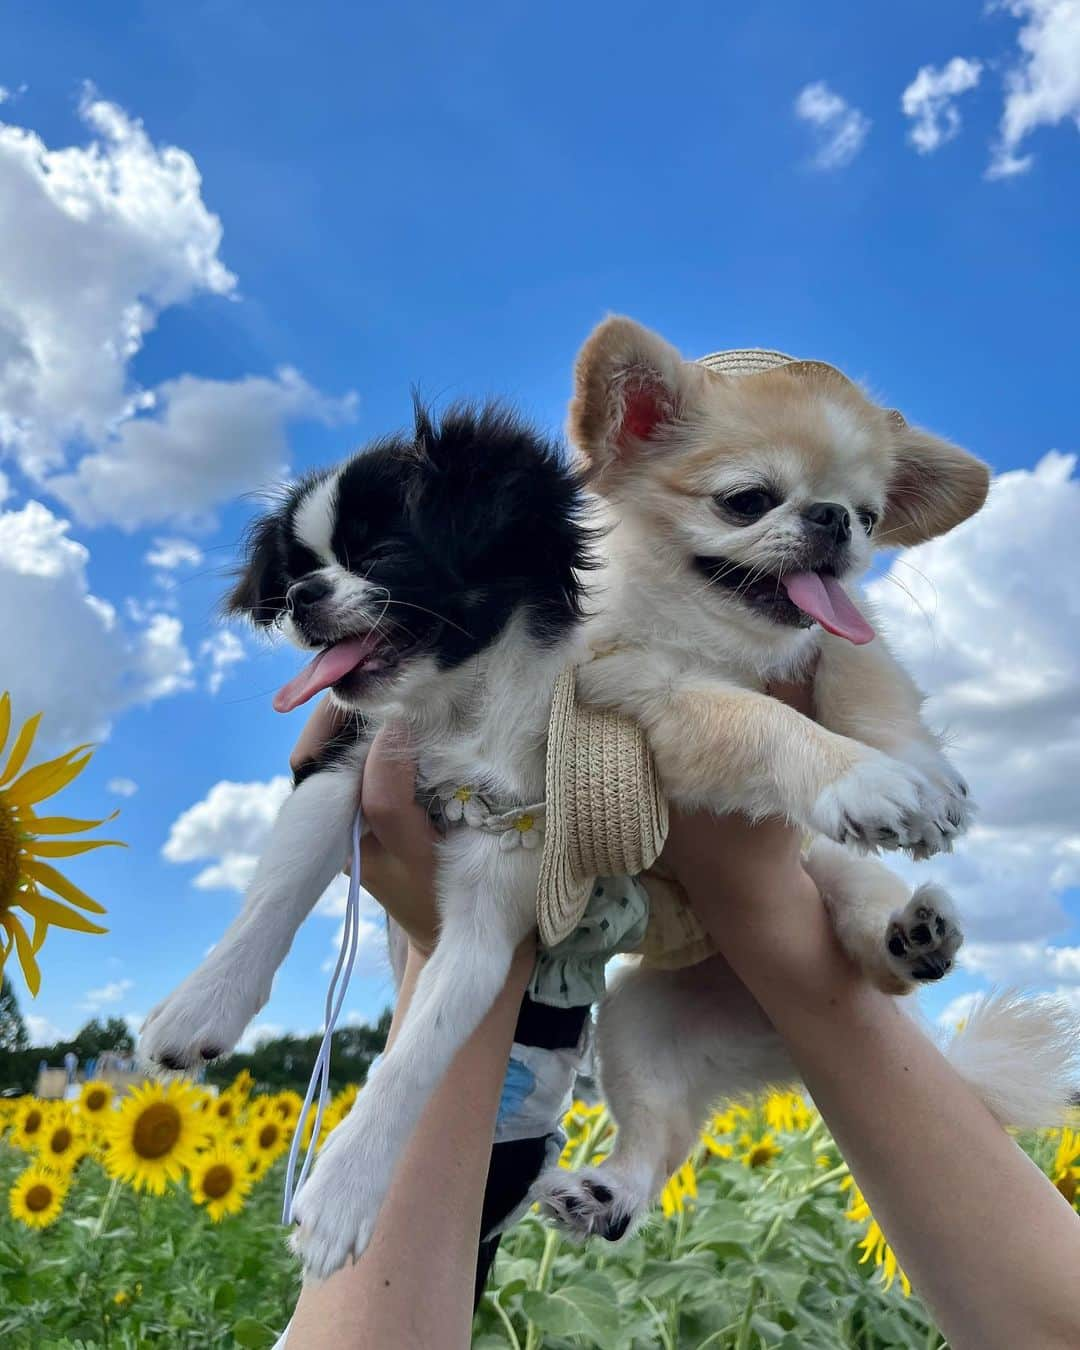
948 801
203 1017
592 1202
885 803
923 938
337 1207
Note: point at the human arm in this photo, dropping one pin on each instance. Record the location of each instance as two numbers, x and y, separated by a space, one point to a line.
987 1240
413 1286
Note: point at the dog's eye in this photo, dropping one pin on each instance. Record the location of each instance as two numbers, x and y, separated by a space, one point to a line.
867 518
748 505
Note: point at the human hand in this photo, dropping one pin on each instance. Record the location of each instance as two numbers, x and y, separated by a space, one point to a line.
747 885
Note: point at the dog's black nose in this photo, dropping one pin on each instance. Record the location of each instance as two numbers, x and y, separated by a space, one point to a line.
831 517
302 594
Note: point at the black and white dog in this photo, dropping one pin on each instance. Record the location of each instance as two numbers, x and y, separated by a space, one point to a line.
439 576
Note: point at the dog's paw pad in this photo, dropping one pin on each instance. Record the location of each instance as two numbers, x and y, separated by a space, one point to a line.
583 1206
923 938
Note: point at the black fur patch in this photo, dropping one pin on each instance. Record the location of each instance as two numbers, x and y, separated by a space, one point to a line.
464 522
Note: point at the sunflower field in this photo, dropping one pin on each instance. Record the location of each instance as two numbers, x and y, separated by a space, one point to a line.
155 1220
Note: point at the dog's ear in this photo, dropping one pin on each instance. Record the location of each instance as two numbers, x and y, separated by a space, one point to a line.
631 388
933 487
259 593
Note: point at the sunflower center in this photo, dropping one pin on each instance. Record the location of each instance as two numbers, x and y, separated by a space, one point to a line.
38 1197
61 1140
268 1136
10 848
32 1123
218 1181
95 1100
157 1130
1066 1184
224 1108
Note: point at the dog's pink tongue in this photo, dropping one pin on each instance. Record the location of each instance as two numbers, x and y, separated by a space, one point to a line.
327 668
824 599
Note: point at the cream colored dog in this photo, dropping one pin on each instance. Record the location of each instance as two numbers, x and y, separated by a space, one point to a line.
741 511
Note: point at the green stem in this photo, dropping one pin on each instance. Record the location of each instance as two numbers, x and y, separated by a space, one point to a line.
551 1241
504 1318
107 1209
661 1329
742 1341
831 1175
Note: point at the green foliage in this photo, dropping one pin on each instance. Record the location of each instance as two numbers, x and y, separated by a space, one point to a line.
12 1027
286 1061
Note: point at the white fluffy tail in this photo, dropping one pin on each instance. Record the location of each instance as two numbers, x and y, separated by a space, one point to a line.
1021 1055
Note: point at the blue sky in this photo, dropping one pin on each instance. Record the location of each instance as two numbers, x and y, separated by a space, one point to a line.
325 206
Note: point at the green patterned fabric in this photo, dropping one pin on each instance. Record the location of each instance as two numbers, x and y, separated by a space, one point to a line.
572 973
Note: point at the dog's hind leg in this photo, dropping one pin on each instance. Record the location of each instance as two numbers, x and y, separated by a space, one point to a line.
899 939
489 905
671 1045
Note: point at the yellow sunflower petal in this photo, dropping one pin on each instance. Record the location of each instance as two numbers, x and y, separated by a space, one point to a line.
63 824
60 848
56 881
23 946
43 780
20 749
41 907
5 719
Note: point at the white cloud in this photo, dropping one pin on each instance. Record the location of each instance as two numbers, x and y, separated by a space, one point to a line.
222 651
99 240
169 554
1043 88
258 1032
197 443
96 999
840 129
929 101
5 487
43 1032
230 826
990 624
959 1010
73 658
122 787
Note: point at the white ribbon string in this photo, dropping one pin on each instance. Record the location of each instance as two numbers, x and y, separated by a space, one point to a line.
334 999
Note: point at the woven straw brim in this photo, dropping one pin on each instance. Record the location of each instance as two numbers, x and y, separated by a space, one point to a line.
606 815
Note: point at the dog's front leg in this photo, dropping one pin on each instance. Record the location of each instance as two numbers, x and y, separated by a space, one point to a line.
727 748
488 906
205 1016
864 692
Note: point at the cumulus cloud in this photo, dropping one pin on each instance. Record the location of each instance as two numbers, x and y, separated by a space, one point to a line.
96 999
1043 87
929 102
228 830
42 1031
196 443
988 620
167 555
99 240
74 659
840 130
122 787
221 652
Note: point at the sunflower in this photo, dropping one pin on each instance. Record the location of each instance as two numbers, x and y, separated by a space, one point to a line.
95 1099
24 848
786 1112
29 1123
874 1245
37 1197
220 1180
267 1140
154 1136
242 1084
61 1142
1065 1173
681 1186
758 1152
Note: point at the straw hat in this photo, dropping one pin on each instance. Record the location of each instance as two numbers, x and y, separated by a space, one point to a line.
606 814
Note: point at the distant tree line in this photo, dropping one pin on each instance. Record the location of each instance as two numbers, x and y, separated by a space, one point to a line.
284 1062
